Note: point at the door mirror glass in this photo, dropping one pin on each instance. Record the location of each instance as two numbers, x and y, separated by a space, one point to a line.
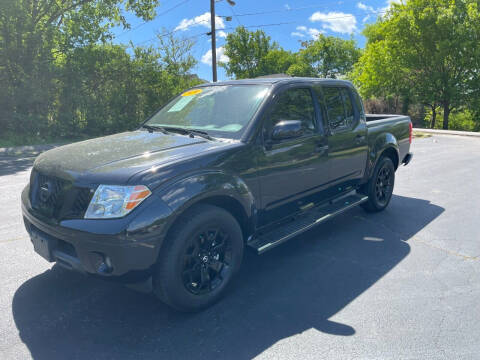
287 129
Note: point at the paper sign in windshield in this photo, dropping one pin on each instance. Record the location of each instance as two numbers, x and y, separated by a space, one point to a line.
180 104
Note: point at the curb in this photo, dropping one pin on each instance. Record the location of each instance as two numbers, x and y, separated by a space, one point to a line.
30 150
448 132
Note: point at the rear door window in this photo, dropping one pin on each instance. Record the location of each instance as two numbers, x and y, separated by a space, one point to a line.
359 103
339 107
349 111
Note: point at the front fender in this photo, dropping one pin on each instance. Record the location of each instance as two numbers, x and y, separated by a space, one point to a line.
194 188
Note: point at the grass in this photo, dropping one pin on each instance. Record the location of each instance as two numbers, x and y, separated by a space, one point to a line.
419 135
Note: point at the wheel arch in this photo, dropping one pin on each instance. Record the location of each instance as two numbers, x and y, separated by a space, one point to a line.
227 203
227 192
232 206
385 144
392 153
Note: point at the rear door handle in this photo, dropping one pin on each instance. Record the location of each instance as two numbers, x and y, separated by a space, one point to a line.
321 148
359 139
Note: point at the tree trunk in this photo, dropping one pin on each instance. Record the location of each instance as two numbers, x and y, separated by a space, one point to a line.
434 118
446 114
405 104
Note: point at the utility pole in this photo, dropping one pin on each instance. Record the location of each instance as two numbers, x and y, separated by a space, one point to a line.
214 41
213 34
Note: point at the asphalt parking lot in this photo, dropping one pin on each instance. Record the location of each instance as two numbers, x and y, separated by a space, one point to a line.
402 284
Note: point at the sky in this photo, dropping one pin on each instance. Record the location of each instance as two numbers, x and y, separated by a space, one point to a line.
286 22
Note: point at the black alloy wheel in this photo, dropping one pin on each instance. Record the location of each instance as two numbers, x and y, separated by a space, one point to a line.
384 185
207 261
202 254
380 186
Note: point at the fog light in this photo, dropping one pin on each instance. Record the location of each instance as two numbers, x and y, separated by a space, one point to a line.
102 263
103 268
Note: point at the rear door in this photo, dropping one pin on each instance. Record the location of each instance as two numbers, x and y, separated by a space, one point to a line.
347 136
291 170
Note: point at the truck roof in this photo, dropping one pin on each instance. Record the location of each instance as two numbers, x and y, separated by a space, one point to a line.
279 80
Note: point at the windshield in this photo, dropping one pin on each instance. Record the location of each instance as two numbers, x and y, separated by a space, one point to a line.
223 110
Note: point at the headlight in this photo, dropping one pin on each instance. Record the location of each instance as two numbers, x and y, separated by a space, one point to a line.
111 201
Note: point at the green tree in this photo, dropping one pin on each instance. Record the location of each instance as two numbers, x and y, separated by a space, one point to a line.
277 61
429 47
104 89
326 57
35 34
247 51
380 73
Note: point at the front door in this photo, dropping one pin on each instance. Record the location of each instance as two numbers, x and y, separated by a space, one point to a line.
291 171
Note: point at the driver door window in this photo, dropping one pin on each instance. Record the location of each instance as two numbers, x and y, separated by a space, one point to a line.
293 104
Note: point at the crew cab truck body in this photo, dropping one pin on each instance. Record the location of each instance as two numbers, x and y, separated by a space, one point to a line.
222 167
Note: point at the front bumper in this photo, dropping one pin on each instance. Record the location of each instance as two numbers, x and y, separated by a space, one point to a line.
124 248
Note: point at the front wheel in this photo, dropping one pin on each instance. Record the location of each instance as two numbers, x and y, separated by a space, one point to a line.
202 254
380 186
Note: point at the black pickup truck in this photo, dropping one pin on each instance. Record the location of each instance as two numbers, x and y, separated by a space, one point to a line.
220 168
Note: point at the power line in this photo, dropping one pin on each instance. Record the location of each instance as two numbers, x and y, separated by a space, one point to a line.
167 34
181 29
234 15
265 25
160 14
326 18
204 33
287 9
255 26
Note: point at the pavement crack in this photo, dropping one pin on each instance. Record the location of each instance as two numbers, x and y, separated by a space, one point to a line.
450 252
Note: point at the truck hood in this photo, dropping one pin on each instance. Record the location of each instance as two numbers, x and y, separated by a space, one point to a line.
117 157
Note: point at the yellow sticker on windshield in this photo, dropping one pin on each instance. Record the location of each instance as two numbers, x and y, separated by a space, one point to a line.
192 92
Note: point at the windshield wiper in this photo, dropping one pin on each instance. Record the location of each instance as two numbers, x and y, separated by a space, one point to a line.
190 132
152 128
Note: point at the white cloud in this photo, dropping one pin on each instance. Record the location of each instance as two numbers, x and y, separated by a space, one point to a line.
222 34
221 57
336 21
367 8
303 31
366 18
314 32
372 11
364 7
299 34
389 4
201 20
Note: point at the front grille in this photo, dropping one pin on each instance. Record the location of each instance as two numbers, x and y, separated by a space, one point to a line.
46 191
80 204
58 198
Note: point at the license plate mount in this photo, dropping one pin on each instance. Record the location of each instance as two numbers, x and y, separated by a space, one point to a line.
43 245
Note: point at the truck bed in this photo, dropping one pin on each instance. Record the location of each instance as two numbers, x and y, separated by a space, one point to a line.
394 127
383 117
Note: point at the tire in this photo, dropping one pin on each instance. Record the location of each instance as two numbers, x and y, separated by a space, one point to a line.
380 186
196 266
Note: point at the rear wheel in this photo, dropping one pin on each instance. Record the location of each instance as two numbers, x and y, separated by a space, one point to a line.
380 186
203 253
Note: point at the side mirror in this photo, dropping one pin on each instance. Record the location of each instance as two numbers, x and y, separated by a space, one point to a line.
287 129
